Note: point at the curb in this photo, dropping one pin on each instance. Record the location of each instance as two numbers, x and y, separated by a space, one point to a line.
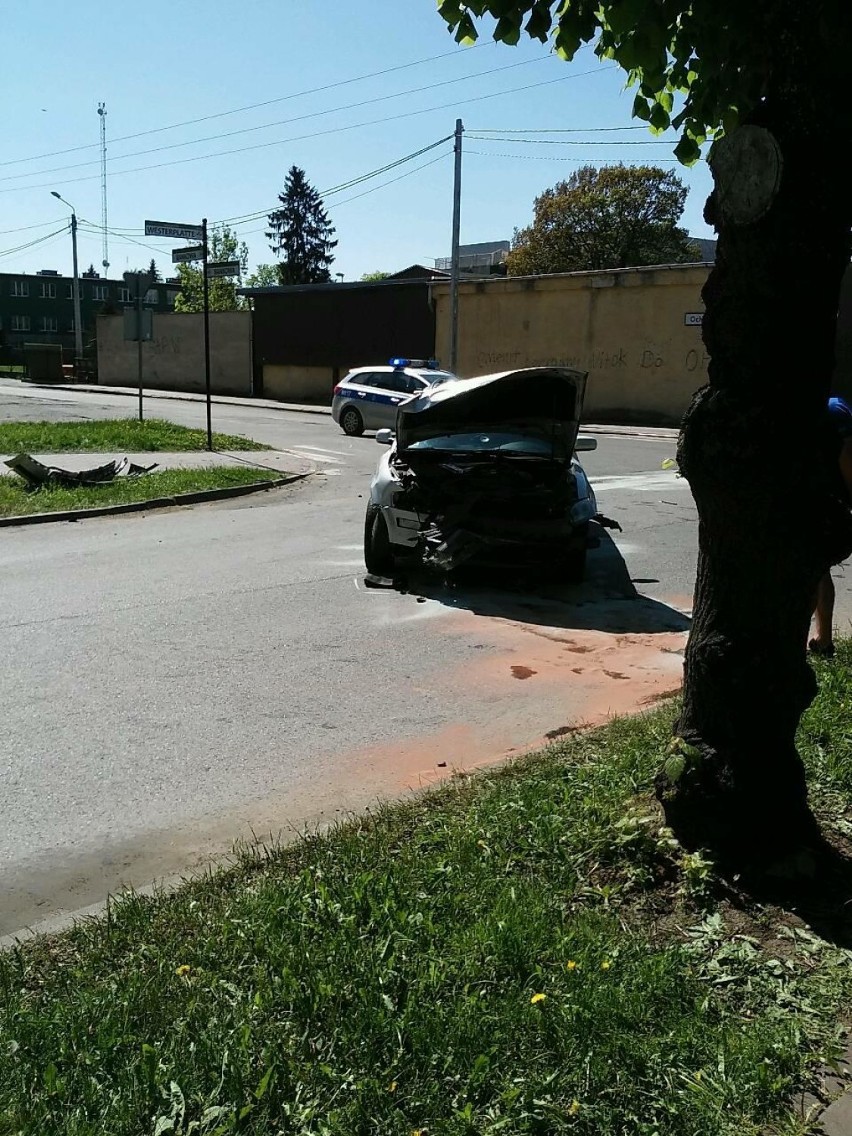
184 396
194 498
659 433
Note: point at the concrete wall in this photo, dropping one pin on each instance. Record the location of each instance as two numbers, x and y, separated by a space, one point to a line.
627 327
299 384
174 358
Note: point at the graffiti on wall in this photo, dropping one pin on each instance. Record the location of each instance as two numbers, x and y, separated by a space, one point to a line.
652 356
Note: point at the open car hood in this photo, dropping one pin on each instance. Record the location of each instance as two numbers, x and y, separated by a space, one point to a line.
542 402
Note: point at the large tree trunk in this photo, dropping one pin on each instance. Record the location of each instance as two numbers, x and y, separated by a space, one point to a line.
762 468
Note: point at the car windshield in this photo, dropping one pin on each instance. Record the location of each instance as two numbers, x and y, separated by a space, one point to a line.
489 442
434 378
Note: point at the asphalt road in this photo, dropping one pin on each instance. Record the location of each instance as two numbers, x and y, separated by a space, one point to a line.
172 681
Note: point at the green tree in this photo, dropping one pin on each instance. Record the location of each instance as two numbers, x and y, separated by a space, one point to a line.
377 275
223 297
300 233
767 83
264 276
154 271
610 217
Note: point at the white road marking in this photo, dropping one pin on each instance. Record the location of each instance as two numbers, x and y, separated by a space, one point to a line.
323 450
317 457
639 482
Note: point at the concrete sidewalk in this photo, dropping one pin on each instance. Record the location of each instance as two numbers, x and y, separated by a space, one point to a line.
664 432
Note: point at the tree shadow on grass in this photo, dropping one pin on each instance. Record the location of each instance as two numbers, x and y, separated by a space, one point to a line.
821 899
607 600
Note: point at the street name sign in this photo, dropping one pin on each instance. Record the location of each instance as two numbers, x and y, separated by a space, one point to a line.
174 229
224 268
183 255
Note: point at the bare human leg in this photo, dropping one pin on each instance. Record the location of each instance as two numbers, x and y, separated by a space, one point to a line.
823 641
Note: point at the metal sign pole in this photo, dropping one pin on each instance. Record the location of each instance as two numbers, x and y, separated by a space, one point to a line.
206 333
139 339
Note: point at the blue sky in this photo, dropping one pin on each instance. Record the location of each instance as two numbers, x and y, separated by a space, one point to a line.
160 64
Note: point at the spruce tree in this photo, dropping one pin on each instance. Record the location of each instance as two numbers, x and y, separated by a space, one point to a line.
300 233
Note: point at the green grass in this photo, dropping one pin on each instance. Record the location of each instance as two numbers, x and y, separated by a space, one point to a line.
386 977
17 501
125 435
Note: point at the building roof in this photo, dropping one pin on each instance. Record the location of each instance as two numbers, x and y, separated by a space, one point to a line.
333 286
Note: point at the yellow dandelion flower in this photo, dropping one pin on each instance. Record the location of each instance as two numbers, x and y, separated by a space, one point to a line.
183 971
574 1107
536 998
570 965
606 964
392 1087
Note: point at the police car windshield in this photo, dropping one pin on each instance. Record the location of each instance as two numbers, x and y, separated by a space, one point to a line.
433 378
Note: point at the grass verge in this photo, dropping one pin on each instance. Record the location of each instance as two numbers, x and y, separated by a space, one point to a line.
126 435
522 951
18 501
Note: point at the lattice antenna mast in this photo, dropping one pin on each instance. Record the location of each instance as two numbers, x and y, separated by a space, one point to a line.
102 112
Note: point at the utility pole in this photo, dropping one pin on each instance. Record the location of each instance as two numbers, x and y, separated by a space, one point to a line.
75 291
454 267
206 333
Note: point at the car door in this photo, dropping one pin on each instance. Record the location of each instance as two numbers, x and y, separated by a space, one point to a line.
392 390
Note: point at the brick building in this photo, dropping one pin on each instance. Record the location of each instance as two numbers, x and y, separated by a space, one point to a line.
38 308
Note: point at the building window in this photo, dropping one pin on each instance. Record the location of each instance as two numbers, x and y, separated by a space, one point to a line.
152 296
100 292
72 327
49 323
171 296
124 295
48 290
20 288
69 291
20 323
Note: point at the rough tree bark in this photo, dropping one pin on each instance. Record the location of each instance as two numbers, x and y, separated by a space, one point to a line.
762 467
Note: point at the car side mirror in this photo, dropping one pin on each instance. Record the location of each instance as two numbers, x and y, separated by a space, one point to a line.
584 442
384 437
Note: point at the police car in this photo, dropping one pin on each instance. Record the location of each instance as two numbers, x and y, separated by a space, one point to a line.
367 399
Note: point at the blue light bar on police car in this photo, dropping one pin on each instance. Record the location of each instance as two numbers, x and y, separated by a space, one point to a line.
431 364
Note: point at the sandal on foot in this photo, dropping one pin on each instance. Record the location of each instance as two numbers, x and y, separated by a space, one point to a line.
826 650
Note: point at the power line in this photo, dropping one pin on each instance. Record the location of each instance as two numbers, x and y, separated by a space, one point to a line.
90 228
316 134
251 106
279 122
558 158
375 188
26 228
37 241
572 141
557 130
247 217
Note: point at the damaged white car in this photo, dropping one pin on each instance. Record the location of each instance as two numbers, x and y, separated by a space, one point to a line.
485 469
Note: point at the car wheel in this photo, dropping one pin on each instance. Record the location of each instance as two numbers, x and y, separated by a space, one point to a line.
378 556
351 422
575 557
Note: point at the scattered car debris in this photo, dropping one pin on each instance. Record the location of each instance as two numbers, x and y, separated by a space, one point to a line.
37 475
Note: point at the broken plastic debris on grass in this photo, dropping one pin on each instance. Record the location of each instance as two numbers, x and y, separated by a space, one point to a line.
37 474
